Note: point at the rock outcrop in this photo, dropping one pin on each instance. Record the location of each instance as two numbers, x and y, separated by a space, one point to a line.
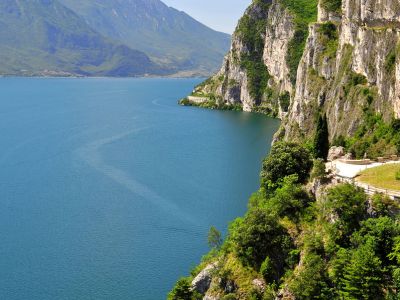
201 283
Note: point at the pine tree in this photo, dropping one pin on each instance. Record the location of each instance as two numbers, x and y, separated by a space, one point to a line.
321 140
363 276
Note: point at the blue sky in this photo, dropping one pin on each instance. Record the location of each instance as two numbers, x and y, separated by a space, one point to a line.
221 15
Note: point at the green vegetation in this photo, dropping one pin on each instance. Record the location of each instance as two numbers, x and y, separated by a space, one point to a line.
251 31
385 177
305 12
339 247
212 103
319 170
285 159
321 140
284 101
375 137
332 5
329 37
214 238
390 61
182 291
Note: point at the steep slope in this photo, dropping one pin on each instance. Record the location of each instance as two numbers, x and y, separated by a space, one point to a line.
42 37
287 61
167 35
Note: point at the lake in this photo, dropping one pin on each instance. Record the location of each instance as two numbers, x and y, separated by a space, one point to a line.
108 187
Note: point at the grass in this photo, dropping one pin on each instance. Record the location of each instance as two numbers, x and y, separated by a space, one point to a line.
382 177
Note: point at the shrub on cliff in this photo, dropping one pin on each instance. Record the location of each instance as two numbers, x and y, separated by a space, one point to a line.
332 5
259 235
183 291
284 160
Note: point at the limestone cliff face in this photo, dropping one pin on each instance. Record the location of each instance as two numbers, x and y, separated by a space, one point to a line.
254 72
280 31
350 64
368 33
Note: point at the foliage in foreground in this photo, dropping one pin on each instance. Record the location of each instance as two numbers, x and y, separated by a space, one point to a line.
339 246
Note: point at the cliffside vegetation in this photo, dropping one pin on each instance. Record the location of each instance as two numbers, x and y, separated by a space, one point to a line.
305 12
339 246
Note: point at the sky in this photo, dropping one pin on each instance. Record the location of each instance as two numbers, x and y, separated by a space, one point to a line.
221 15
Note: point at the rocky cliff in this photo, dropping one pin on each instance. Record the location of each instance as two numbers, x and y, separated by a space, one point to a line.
301 59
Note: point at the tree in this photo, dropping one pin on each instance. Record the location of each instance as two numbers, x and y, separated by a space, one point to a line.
346 205
363 276
319 169
214 238
259 235
311 279
321 140
284 160
181 291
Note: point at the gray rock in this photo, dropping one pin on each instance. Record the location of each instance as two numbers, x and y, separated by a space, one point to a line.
335 153
201 283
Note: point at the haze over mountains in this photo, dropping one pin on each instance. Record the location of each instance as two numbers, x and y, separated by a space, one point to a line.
105 38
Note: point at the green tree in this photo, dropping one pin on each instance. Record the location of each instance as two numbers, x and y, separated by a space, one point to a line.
289 200
363 276
319 169
214 238
181 291
311 280
345 206
321 140
259 235
382 232
284 160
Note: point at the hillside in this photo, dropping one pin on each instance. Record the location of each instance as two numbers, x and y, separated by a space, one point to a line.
330 70
170 37
42 37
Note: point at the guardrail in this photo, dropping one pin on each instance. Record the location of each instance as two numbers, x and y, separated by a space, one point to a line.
369 189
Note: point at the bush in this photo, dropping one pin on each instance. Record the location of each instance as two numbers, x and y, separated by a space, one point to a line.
311 280
347 204
305 12
284 160
332 5
259 235
284 100
182 291
319 169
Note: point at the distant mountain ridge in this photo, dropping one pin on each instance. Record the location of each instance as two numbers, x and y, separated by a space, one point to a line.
168 36
43 37
55 38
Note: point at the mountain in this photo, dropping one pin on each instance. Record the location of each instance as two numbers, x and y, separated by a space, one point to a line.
43 37
170 37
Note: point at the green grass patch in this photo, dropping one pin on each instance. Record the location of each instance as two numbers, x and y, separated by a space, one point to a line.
384 177
332 5
329 37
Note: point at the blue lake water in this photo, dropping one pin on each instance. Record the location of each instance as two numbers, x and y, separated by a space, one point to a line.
108 187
